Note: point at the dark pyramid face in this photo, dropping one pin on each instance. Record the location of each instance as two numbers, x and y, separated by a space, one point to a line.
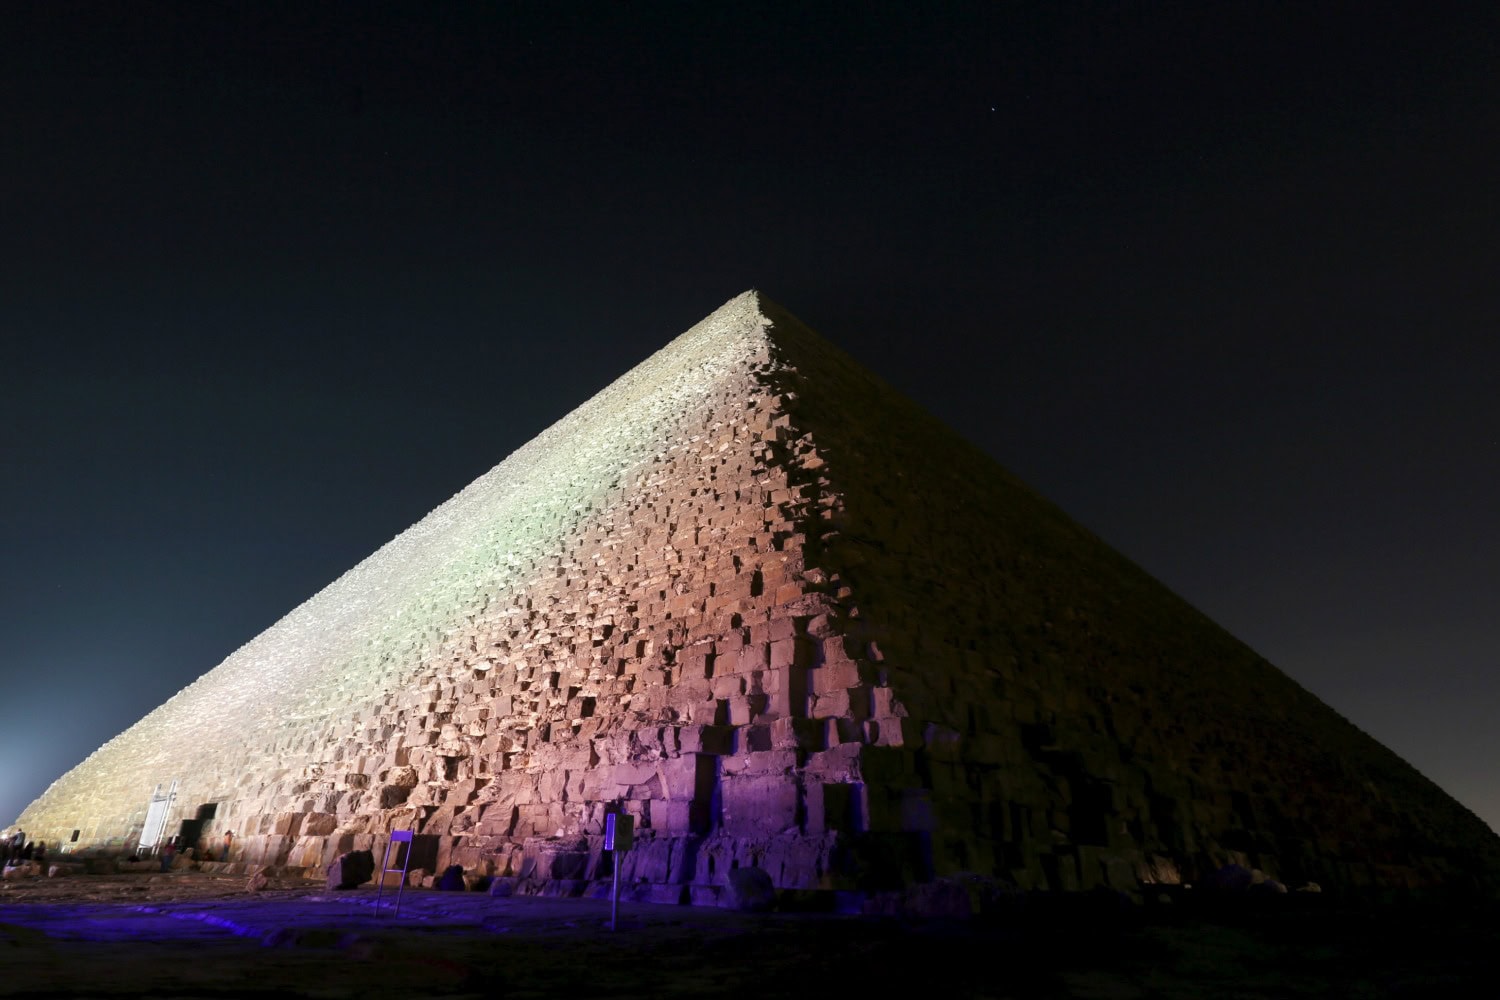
767 606
1068 720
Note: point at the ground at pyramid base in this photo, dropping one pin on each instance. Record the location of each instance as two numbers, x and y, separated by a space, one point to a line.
756 600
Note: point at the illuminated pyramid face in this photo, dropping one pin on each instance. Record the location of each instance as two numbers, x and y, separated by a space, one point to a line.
757 599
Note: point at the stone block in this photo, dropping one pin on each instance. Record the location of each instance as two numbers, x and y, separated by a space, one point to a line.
725 686
741 710
452 880
392 796
319 824
785 653
670 895
307 852
749 890
689 777
704 895
786 690
831 705
286 824
797 734
705 739
759 805
351 870
753 657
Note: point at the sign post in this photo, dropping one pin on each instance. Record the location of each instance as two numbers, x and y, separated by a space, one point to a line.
619 832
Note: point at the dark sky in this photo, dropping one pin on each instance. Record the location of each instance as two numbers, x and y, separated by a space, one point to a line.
1222 280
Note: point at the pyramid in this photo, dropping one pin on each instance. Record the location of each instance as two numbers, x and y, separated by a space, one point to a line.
756 599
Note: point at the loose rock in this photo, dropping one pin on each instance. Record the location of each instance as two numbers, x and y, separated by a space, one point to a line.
351 870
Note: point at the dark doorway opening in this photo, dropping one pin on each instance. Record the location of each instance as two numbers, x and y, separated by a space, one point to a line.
192 829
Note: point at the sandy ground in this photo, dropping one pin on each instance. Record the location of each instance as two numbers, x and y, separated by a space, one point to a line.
188 934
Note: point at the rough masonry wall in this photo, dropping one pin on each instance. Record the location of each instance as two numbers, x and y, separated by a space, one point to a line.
615 616
1064 719
370 634
756 599
656 665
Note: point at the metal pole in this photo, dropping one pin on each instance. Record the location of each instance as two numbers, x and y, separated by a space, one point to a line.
401 886
614 897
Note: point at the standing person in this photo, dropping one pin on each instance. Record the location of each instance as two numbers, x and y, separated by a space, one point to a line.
168 853
40 857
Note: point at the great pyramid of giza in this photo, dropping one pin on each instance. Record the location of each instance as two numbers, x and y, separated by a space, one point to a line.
760 601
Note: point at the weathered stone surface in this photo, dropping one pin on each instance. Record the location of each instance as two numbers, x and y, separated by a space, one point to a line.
784 620
452 879
749 890
351 870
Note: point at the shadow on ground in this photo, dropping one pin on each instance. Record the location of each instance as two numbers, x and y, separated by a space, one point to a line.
191 935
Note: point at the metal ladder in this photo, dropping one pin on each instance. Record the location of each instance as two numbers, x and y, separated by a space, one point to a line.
397 837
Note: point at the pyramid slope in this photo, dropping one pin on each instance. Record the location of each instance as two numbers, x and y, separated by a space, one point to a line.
758 600
377 629
1053 687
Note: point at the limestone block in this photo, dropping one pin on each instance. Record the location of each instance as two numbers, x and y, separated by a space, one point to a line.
267 850
786 691
725 686
834 704
705 739
704 895
836 675
758 804
452 880
749 890
351 870
681 818
797 734
334 846
307 852
753 657
551 784
402 777
742 709
392 796
627 775
794 651
665 895
689 777
766 762
883 704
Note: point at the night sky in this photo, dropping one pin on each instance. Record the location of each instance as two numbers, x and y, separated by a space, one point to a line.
1222 280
